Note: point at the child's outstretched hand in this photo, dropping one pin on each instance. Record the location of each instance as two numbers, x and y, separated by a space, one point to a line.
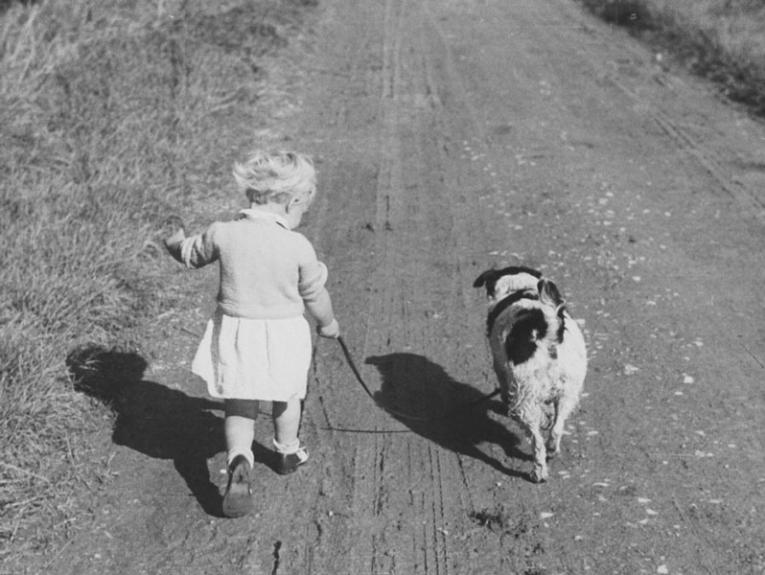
173 231
331 330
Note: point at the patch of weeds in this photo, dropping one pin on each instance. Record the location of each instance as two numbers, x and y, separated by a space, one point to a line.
494 521
632 14
521 550
499 521
697 43
740 80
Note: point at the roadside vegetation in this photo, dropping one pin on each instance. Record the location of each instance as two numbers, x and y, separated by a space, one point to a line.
721 40
112 115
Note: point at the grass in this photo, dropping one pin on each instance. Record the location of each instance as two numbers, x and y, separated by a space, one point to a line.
721 40
112 114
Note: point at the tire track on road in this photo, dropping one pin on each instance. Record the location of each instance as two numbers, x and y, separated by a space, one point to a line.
418 240
368 523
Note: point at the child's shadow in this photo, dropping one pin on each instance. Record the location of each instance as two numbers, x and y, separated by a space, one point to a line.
426 399
157 421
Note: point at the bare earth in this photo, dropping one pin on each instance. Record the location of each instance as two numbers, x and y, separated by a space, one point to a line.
453 135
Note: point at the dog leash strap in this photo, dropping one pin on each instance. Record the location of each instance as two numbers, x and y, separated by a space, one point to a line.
352 365
360 379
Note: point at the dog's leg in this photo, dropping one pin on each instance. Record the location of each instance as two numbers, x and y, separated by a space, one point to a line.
503 377
563 408
550 442
531 418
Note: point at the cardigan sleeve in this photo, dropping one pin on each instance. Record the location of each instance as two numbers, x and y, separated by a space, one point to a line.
312 280
201 249
313 274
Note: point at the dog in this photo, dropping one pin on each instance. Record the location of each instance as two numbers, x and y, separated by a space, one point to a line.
539 355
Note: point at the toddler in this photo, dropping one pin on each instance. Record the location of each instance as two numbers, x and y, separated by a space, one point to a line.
257 346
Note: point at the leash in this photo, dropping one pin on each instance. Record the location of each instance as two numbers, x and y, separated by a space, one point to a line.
399 414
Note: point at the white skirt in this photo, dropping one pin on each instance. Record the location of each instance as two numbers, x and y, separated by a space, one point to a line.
265 359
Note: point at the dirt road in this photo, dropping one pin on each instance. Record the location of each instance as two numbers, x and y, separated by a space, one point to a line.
450 136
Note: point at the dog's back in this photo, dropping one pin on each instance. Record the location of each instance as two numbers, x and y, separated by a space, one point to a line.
572 357
539 353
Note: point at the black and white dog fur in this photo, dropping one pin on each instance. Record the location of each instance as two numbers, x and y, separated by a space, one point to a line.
539 354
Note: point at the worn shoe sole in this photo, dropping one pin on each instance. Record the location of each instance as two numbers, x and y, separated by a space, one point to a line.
237 501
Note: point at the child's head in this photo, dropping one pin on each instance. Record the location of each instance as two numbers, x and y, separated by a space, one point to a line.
279 177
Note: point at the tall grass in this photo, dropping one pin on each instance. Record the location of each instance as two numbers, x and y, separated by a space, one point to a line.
722 40
112 115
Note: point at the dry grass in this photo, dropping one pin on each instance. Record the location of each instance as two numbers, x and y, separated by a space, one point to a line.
112 113
722 40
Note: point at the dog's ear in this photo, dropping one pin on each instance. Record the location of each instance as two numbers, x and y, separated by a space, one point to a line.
486 278
549 294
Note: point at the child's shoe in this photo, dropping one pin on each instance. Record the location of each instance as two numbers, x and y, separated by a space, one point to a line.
237 501
289 462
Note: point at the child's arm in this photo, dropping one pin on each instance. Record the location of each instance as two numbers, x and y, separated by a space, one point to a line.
318 303
194 251
320 308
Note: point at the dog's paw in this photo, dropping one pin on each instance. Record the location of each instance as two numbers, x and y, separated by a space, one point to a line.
539 474
552 448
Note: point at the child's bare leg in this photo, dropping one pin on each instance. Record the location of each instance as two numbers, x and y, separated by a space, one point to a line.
286 416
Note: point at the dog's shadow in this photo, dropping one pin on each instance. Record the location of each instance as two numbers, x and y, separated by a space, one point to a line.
420 394
155 420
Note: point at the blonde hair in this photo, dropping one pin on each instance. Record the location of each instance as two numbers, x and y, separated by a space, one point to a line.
275 177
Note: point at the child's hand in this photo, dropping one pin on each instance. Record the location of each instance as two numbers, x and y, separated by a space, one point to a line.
331 330
174 231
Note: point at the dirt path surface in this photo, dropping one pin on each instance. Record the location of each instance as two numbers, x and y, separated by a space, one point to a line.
450 136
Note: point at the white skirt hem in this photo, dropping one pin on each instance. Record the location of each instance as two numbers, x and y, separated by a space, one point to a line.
259 359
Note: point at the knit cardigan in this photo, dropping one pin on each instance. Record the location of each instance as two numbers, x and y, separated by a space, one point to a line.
267 271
